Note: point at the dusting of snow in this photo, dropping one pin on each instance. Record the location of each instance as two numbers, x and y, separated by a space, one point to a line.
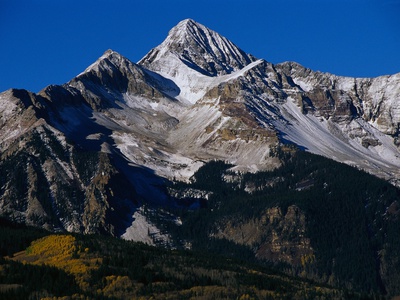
95 65
305 86
7 107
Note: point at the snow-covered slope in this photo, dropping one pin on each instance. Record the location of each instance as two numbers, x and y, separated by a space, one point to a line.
348 143
352 120
199 48
191 54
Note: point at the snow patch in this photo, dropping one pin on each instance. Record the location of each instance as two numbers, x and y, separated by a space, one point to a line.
321 136
144 231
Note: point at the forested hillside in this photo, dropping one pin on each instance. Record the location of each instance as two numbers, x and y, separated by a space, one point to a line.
312 217
64 266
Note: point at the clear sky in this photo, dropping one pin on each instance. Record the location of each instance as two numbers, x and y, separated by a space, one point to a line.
47 42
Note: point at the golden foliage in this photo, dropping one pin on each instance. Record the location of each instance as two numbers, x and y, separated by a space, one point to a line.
52 246
307 259
63 252
118 286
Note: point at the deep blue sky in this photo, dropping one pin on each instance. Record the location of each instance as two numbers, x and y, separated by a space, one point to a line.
50 41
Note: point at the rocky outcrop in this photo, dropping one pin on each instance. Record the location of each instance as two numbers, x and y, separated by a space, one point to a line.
286 238
345 98
276 236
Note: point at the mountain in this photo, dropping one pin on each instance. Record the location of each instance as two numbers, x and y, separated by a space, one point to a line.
134 150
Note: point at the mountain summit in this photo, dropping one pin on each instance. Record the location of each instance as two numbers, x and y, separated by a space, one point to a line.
199 48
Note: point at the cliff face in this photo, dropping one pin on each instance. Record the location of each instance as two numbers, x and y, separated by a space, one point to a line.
275 236
344 98
48 182
287 239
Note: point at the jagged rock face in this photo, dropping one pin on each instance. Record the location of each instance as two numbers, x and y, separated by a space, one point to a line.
277 236
18 116
344 98
46 182
111 76
286 237
35 181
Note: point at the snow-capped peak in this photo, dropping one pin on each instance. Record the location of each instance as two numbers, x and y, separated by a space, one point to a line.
199 48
